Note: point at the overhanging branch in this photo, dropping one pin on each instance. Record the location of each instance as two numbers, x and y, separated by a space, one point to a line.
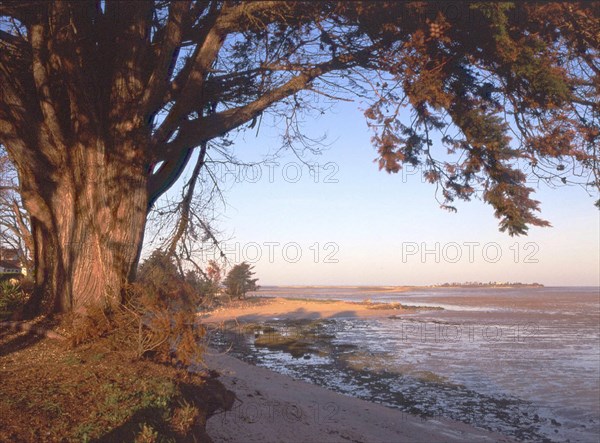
195 132
185 205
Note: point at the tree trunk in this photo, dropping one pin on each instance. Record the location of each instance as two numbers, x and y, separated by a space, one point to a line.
87 228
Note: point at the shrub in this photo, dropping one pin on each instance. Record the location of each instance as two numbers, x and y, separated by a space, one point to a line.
165 330
156 319
12 297
185 417
147 434
144 328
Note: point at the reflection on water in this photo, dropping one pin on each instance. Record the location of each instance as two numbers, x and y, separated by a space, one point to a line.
525 362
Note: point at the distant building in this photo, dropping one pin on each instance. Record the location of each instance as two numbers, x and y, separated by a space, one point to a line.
10 267
10 263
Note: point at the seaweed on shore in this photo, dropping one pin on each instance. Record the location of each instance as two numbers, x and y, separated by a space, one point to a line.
375 377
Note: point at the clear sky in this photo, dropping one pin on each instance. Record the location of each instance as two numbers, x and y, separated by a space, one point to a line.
355 225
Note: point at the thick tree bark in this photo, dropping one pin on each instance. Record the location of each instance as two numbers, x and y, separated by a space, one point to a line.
87 227
82 87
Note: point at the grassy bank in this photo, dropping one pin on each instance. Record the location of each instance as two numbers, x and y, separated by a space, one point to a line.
91 393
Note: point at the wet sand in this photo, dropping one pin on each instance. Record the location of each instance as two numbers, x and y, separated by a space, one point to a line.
271 407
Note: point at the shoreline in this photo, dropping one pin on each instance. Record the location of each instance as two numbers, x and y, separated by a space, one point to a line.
403 288
389 354
272 407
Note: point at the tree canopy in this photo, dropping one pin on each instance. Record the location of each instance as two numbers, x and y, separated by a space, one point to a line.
239 280
103 104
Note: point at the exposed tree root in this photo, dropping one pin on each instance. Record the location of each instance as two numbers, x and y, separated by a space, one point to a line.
31 328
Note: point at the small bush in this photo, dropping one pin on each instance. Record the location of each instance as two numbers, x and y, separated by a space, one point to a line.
147 434
144 327
185 418
239 280
12 297
167 332
97 322
156 319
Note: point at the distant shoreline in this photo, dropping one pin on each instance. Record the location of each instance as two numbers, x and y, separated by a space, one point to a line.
382 288
406 288
488 285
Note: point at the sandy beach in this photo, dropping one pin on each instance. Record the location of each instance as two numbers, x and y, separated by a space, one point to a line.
262 309
272 407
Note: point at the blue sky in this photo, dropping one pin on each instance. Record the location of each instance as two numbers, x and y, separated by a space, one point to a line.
356 225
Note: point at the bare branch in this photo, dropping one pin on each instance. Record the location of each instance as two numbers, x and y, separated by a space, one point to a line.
195 132
185 204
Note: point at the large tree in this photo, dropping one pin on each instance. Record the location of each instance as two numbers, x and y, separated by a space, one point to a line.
103 103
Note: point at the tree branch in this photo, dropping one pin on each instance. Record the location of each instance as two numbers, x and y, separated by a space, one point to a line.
185 204
168 173
190 80
42 83
24 231
191 91
131 32
194 132
13 40
169 48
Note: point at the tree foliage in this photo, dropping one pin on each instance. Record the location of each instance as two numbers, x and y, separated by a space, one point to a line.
103 104
239 280
161 279
511 88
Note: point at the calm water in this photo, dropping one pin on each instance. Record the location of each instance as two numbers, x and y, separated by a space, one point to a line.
524 362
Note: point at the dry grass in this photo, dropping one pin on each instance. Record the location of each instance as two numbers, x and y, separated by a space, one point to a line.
92 393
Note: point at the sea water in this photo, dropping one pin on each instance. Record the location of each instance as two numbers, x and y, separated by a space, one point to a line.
521 361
